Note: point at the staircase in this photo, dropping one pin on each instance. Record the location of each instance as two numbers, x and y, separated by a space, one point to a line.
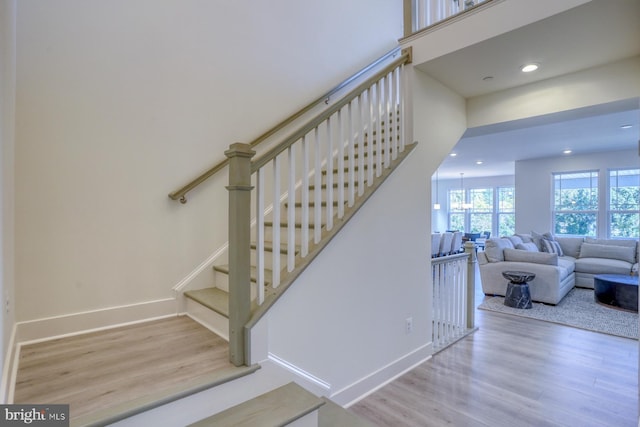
216 297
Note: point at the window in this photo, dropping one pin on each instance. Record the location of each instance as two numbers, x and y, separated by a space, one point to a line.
481 212
624 203
575 203
490 209
456 212
506 211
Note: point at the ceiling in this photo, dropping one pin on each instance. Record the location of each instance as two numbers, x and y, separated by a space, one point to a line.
596 33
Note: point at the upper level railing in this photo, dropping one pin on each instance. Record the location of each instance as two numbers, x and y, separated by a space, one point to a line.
181 193
421 14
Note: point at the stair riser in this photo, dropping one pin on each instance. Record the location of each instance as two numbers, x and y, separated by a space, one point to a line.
222 282
209 318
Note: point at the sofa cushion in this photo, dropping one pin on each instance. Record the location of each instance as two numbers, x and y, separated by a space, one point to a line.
516 255
622 253
530 246
567 263
493 248
552 247
570 245
602 266
629 243
526 238
515 240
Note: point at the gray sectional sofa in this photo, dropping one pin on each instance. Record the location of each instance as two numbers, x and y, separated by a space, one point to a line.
559 263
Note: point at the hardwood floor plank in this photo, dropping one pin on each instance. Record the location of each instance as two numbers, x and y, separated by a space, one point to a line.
516 372
102 369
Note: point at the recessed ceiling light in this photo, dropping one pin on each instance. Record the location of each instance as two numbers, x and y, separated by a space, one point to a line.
479 162
453 154
527 68
626 126
567 152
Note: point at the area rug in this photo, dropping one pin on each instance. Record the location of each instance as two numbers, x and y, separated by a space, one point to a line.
577 309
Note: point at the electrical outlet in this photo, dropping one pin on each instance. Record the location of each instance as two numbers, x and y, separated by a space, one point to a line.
408 325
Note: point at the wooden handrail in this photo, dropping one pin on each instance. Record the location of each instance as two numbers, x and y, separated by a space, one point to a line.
180 194
273 152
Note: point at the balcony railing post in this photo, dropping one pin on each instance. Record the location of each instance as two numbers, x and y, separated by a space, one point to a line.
239 247
470 248
409 7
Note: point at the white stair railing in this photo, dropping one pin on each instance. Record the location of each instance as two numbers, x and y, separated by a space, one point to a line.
327 165
425 13
453 297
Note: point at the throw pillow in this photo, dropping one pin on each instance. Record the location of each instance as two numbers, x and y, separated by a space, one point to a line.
552 247
516 255
537 239
493 249
594 250
515 240
531 247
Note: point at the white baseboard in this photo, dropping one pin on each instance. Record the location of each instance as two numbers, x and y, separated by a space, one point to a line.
317 383
95 320
360 389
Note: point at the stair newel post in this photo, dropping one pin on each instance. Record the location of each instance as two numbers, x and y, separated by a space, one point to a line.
470 248
239 247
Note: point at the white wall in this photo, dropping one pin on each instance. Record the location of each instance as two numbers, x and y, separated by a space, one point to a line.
343 321
121 102
7 137
534 185
600 85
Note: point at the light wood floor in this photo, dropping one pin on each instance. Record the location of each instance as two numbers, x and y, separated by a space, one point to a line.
516 372
101 369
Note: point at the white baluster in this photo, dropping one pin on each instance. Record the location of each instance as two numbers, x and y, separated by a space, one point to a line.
388 119
304 236
260 234
379 144
350 164
275 260
393 120
329 167
403 97
317 208
291 212
360 145
340 188
423 12
370 124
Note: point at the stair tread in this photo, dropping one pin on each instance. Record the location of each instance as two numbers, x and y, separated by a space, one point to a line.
313 204
284 224
346 169
335 185
280 406
331 414
212 298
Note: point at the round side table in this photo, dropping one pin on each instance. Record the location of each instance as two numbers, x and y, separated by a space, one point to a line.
518 295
